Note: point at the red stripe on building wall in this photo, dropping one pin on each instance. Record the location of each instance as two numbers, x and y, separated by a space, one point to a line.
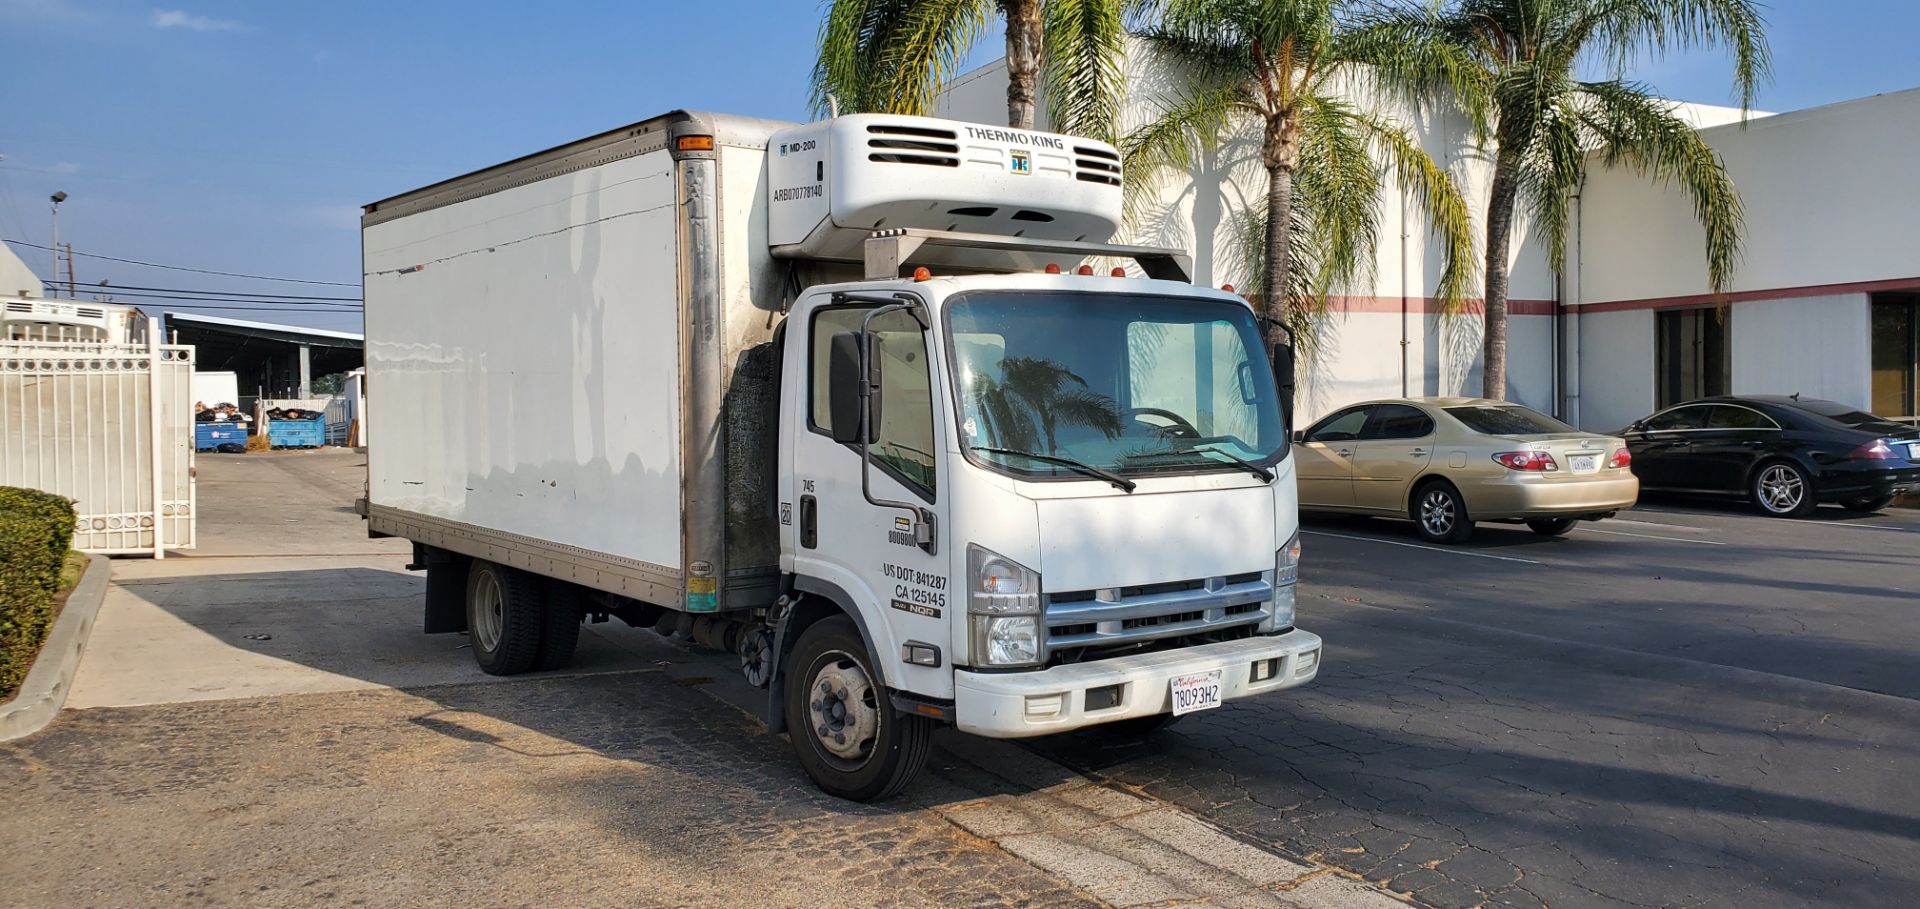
1749 296
1425 305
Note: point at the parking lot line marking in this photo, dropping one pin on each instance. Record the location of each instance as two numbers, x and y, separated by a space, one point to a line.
1657 524
1735 514
1648 536
1458 552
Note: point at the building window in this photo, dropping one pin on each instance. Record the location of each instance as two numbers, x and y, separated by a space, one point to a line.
1896 355
1691 355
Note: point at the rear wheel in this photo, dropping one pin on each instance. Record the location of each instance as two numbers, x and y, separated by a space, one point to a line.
1866 505
1550 527
1781 489
1441 514
845 732
504 615
559 625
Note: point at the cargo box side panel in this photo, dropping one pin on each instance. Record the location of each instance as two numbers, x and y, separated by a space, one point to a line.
522 365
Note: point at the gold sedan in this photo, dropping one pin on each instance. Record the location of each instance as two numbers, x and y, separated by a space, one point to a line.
1448 462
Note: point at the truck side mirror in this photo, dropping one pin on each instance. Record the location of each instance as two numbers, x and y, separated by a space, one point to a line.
1283 378
844 381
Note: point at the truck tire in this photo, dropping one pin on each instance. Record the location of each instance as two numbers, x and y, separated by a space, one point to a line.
559 626
844 730
504 617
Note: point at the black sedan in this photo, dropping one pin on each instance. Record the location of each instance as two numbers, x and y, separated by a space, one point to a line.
1785 454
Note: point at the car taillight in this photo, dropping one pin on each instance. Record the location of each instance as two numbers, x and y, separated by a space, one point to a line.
1526 460
1621 458
1876 450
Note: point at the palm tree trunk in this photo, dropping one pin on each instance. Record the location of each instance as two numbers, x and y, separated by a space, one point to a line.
1280 154
1499 235
1023 59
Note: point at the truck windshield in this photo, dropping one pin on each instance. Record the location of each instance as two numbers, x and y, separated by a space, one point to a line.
1126 384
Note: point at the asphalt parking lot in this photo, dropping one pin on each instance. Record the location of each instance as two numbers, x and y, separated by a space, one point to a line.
1690 705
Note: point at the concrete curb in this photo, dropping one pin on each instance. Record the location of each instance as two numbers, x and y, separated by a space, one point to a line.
45 689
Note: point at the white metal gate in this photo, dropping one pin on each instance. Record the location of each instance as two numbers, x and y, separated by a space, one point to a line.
110 426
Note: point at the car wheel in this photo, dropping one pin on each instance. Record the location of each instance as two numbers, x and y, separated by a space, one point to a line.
1866 505
1440 513
845 732
1781 489
1551 527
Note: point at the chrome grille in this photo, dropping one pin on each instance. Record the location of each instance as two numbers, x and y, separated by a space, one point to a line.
1127 615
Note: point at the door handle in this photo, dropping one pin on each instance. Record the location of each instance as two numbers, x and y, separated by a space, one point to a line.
1418 452
1344 452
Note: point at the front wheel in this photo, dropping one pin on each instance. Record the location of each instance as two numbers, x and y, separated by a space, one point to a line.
1441 514
1550 527
845 732
1866 505
1781 489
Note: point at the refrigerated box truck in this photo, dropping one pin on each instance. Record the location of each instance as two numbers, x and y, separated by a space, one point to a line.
850 399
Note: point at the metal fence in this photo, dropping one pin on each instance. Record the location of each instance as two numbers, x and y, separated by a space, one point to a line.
109 426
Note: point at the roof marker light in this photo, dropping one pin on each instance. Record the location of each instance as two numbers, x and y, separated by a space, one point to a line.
1053 268
1227 287
1119 272
1084 270
922 274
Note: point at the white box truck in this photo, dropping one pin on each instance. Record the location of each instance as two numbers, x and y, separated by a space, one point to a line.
843 398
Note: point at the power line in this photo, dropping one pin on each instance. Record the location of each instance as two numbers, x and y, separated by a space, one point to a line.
107 286
289 305
198 271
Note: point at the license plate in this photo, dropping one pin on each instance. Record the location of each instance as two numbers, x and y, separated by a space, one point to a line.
1196 692
1585 463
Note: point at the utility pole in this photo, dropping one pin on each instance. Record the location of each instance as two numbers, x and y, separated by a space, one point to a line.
70 293
58 197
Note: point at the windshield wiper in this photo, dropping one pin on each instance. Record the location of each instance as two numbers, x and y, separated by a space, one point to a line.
1069 463
1249 466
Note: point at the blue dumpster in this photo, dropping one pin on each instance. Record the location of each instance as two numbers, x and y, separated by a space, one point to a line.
297 433
208 436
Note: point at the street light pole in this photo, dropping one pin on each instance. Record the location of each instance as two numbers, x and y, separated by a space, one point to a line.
58 197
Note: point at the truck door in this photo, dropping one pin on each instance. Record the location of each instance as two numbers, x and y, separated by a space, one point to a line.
838 538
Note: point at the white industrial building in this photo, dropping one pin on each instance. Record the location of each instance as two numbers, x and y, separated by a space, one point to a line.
1823 304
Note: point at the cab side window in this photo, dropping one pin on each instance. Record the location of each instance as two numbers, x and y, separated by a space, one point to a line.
905 438
1398 421
1344 426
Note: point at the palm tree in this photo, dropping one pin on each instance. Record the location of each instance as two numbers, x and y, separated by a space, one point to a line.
1545 121
894 56
1289 67
1024 409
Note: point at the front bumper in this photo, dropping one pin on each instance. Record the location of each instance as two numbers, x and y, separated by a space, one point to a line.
1011 705
1520 496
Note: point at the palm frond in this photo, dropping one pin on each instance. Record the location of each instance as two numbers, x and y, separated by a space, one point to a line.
1635 128
1439 198
925 49
1337 195
1423 55
1083 43
854 39
1619 30
1174 140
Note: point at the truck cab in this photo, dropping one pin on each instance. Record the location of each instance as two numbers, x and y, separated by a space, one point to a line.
1045 502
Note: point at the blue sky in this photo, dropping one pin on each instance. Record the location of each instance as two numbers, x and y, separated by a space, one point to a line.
243 137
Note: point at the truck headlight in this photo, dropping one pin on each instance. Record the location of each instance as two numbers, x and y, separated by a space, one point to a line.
1003 607
1286 577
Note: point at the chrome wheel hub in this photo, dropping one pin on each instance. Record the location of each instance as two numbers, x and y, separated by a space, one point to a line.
1780 488
1437 512
490 618
843 708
